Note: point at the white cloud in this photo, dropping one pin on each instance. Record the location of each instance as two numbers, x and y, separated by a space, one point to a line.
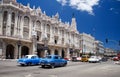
118 0
82 5
63 2
111 9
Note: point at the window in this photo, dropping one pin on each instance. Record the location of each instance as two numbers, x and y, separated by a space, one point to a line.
48 28
5 15
38 24
26 21
56 57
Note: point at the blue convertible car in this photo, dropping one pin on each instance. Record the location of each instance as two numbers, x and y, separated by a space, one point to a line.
29 60
53 61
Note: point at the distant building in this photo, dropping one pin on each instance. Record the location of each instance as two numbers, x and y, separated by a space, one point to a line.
99 48
87 43
110 52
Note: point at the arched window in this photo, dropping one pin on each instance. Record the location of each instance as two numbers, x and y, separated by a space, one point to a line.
62 33
5 16
13 23
26 30
48 28
13 17
56 30
25 33
26 21
38 25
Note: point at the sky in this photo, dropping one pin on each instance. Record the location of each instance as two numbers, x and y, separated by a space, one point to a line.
100 18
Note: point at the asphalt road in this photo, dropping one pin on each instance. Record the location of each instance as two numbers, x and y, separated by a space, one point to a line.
73 69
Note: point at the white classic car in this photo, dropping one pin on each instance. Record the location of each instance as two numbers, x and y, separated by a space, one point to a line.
93 59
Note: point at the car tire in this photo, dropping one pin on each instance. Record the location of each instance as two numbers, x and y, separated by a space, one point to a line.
29 64
22 64
52 66
64 64
43 66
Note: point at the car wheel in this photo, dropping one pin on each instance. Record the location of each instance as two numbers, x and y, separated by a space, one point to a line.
22 64
29 64
64 64
52 66
43 66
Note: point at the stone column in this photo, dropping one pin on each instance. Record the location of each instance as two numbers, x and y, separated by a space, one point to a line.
59 52
21 24
52 51
16 24
8 31
68 53
4 50
1 21
34 45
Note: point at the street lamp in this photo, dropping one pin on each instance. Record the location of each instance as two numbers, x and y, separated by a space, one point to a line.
19 44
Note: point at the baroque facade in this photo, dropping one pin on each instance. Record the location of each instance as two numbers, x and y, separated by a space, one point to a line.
25 30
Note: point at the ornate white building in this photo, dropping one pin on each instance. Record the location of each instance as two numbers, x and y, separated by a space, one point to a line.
25 30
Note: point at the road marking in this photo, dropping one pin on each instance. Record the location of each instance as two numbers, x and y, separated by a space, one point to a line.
53 76
29 75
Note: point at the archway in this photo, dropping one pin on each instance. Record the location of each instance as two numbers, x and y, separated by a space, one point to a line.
63 53
56 52
10 52
25 51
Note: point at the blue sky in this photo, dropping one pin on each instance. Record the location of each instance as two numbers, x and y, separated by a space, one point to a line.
100 18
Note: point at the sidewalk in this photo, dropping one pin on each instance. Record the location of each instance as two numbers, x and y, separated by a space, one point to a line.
8 59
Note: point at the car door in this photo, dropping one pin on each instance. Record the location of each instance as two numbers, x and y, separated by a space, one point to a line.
56 60
34 60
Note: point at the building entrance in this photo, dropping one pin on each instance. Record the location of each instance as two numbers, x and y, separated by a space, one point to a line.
10 52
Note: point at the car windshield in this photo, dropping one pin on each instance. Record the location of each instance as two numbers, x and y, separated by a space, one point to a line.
92 57
49 57
26 57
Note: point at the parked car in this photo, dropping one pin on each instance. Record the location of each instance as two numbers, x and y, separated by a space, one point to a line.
29 60
115 59
53 61
84 58
75 58
117 62
94 59
68 59
104 59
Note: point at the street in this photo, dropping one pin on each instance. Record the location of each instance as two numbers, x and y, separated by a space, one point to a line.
73 69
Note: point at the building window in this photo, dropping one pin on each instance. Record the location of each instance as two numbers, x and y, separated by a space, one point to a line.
38 25
12 24
5 15
48 28
25 33
56 30
26 21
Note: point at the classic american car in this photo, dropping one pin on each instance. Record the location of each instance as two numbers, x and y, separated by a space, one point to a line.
94 59
29 60
53 61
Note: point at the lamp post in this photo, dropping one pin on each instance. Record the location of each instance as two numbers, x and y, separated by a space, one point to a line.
19 44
